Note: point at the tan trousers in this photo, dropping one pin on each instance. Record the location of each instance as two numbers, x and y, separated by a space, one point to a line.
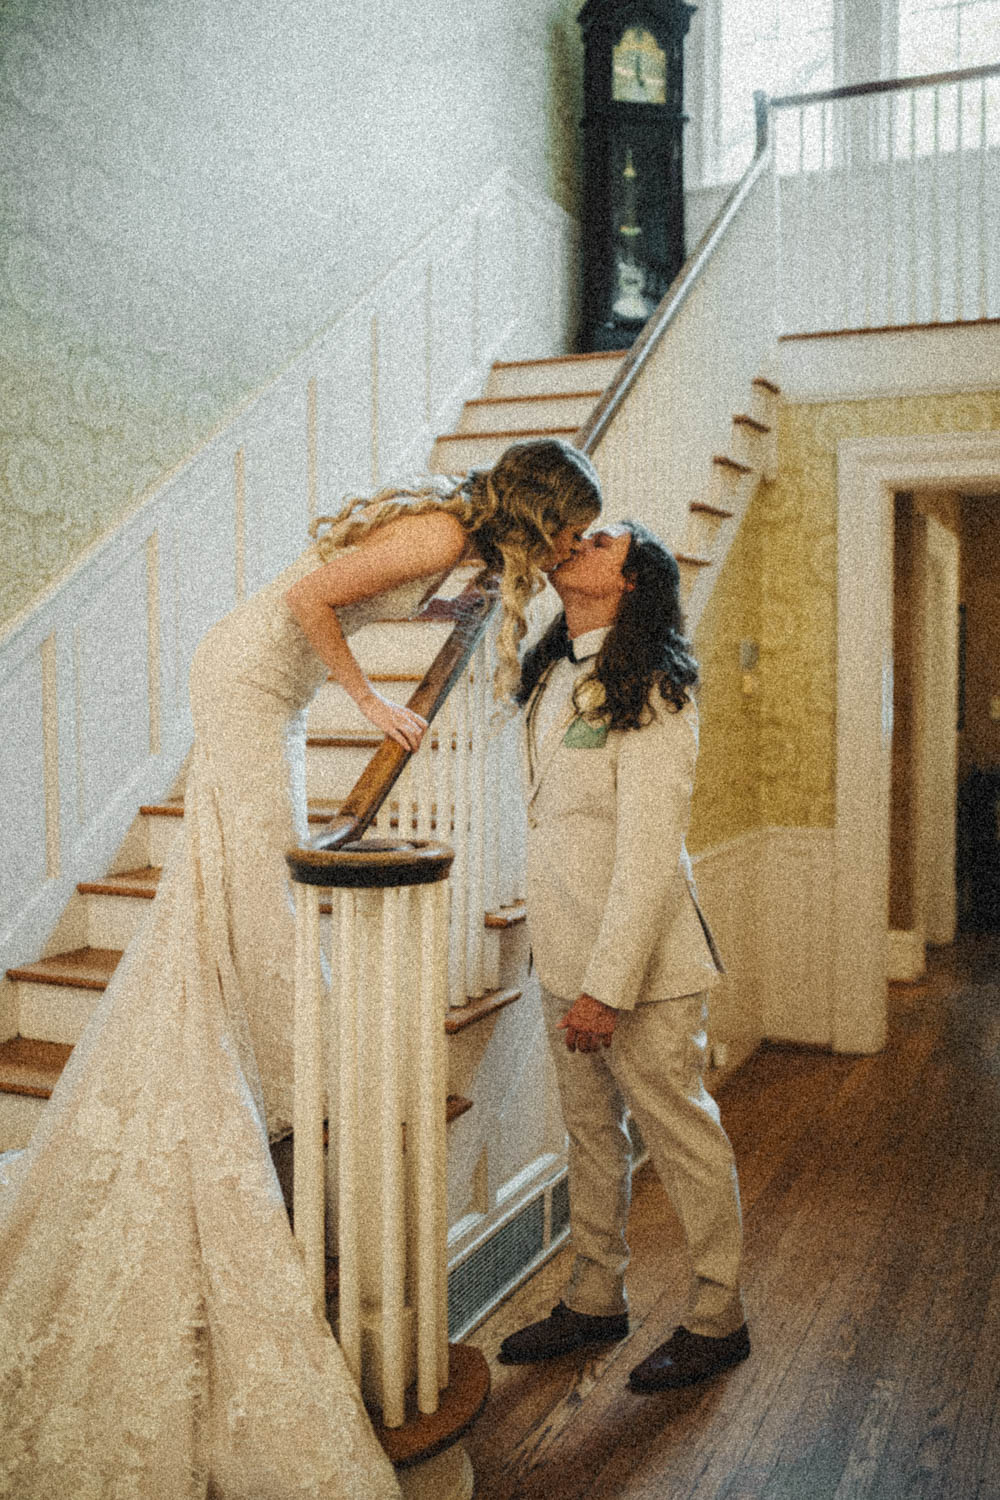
654 1067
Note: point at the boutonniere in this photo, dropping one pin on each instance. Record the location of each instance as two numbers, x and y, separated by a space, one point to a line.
583 736
587 732
589 698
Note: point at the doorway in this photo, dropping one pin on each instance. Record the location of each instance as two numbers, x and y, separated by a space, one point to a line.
978 851
870 471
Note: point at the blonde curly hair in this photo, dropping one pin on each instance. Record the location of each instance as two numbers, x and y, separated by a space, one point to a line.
511 512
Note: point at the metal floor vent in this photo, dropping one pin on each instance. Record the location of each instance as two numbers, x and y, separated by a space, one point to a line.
495 1265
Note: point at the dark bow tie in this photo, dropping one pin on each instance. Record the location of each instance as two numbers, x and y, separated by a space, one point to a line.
571 655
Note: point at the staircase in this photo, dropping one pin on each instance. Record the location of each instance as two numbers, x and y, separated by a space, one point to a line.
500 1188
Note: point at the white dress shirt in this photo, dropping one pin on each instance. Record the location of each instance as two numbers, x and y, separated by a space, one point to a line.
561 679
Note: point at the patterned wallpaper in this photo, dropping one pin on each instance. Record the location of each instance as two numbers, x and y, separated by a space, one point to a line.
192 189
727 793
774 764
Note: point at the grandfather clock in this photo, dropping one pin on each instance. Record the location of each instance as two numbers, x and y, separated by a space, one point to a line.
633 197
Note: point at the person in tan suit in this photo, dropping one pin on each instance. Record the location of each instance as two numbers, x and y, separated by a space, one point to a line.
623 953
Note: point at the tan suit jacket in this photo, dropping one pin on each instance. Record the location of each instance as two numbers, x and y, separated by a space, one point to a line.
612 906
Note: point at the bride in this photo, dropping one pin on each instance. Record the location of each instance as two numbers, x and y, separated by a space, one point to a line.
157 1340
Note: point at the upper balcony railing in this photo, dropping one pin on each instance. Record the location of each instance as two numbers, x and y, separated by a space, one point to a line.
890 202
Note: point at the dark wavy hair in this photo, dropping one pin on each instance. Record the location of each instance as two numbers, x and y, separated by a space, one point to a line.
645 650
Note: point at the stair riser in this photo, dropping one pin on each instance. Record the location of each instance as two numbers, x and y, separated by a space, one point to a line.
702 532
729 488
111 923
503 416
332 711
331 772
456 455
56 1012
748 446
399 648
764 405
160 835
19 1114
550 377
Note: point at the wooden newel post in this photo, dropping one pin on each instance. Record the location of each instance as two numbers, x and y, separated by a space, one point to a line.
370 1068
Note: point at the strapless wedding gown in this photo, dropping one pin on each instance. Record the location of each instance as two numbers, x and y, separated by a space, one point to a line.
157 1341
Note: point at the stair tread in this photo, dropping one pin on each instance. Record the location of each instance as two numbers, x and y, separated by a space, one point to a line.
388 677
461 1016
703 508
725 462
767 385
693 559
345 741
141 883
320 809
31 1067
84 968
534 396
506 916
509 432
744 419
560 359
171 807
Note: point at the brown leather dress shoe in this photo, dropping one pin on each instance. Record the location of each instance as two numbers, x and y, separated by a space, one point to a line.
688 1357
561 1332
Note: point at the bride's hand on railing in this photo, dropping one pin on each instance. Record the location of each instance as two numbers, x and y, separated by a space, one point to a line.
393 719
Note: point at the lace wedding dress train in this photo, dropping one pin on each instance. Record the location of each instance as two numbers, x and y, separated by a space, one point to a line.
157 1341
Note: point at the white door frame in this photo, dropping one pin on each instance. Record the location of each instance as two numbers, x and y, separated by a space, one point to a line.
869 472
937 780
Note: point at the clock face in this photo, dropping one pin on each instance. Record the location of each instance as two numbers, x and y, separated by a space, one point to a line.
639 68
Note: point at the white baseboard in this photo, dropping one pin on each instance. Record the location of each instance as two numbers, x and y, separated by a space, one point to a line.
768 896
905 956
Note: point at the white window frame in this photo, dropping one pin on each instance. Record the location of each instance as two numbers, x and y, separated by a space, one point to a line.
862 31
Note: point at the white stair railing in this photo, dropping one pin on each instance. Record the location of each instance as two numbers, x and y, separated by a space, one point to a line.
462 785
890 202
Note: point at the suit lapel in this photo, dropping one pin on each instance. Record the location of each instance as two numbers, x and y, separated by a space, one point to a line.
538 756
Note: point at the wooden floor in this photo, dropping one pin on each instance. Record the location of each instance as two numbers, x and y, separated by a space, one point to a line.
871 1192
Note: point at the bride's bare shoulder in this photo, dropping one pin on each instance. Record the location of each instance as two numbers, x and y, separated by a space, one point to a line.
434 535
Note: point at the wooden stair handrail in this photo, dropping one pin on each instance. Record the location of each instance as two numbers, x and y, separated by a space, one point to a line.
589 435
470 611
888 86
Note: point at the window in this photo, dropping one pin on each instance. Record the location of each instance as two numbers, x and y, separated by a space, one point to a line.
781 46
801 46
934 37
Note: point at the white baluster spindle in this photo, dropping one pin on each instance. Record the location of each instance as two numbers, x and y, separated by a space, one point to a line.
309 1101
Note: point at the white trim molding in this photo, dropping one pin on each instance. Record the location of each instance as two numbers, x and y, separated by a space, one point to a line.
906 959
768 897
869 472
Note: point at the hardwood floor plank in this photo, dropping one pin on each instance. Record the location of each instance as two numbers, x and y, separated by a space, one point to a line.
852 1373
871 1190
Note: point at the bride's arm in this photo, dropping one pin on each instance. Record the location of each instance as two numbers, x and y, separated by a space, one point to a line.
412 547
